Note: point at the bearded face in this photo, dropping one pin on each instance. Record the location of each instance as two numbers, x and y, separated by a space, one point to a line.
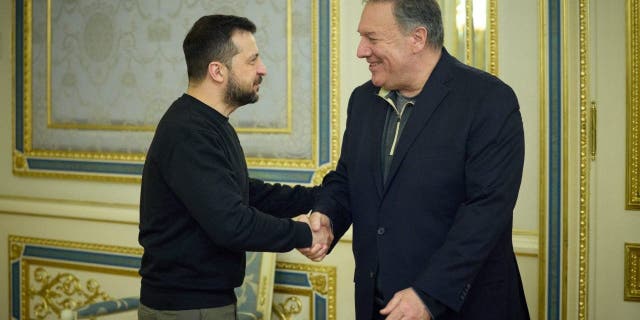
239 93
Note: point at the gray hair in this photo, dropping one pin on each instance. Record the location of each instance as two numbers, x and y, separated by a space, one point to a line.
410 14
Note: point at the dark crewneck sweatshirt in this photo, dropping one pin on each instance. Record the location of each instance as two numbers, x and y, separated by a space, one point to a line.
200 211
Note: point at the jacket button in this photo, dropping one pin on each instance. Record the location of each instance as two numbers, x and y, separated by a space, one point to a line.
372 274
380 231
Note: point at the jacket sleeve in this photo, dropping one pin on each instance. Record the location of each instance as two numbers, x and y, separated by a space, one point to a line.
203 179
493 171
333 198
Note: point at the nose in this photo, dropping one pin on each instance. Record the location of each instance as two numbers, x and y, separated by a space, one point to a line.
262 69
363 49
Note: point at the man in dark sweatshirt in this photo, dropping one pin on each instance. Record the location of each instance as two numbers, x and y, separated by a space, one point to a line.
199 210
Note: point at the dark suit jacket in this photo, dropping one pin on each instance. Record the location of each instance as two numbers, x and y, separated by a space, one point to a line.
442 221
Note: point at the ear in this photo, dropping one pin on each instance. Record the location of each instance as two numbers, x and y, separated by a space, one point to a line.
217 71
419 38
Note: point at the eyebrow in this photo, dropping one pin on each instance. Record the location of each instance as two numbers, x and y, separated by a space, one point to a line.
367 33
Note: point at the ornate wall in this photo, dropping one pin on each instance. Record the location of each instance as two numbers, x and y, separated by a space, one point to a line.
104 211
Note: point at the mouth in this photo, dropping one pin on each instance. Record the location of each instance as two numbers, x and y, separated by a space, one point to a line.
257 83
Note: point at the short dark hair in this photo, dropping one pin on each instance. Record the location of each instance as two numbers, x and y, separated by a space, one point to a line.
410 14
210 40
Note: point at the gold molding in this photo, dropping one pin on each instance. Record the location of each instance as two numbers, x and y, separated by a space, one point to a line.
493 37
542 171
283 163
288 308
320 173
280 309
335 83
26 78
15 251
468 32
75 245
19 162
325 286
633 105
63 290
490 46
632 271
29 293
320 283
585 117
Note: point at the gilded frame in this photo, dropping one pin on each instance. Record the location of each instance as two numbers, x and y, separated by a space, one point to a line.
127 166
295 282
74 257
633 106
632 271
474 45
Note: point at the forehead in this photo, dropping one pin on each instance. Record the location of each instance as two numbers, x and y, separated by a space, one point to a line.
377 17
245 42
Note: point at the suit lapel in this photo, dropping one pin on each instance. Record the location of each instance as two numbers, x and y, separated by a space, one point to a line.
426 103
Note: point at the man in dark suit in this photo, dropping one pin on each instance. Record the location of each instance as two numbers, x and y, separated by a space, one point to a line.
428 176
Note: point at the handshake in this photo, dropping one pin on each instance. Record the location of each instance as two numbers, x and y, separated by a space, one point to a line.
322 233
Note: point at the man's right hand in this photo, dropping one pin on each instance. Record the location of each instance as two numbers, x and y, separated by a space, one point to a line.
322 235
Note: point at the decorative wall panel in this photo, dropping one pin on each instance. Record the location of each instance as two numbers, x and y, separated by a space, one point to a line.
94 77
47 276
304 291
633 105
632 271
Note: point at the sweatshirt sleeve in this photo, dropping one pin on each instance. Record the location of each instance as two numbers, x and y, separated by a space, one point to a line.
281 200
203 179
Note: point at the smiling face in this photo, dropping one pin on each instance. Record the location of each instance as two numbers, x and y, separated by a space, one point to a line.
385 46
246 71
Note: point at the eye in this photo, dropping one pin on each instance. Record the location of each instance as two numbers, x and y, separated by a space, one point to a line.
371 39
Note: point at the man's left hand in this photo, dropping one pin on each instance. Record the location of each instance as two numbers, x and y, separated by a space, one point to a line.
406 305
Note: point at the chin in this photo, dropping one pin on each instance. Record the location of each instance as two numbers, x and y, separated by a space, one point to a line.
377 82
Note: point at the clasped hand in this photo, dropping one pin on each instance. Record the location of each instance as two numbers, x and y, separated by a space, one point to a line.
322 235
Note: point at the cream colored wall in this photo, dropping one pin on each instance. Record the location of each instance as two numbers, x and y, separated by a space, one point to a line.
105 212
519 52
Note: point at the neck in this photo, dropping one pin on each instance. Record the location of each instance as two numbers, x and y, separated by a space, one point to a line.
211 96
